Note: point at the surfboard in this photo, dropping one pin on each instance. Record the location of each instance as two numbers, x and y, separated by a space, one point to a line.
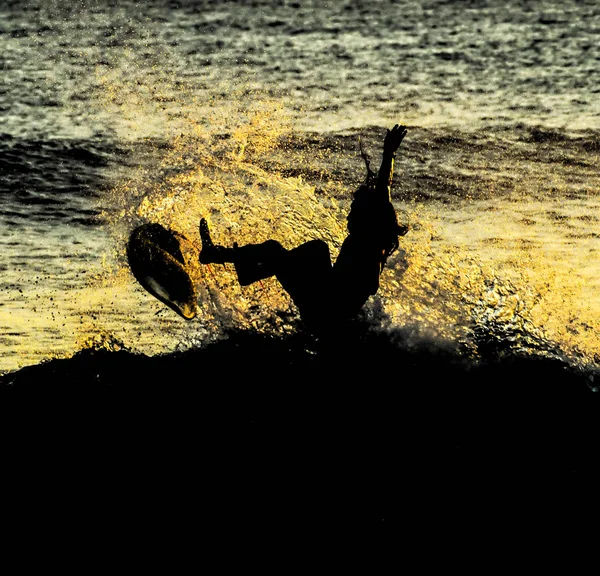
156 261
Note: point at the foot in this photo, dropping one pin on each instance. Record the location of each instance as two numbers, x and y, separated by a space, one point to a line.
205 234
211 253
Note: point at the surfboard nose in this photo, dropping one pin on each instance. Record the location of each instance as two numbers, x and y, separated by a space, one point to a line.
186 310
157 264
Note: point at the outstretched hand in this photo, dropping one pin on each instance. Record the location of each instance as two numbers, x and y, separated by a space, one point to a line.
394 138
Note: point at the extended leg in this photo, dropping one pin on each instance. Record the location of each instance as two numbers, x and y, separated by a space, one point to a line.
252 262
304 272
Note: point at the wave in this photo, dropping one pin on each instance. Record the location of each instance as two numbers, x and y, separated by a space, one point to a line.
55 179
290 429
389 357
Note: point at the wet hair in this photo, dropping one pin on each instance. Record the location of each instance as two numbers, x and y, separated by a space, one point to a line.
371 218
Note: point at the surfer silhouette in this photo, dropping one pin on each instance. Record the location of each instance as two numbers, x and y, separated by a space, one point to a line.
327 293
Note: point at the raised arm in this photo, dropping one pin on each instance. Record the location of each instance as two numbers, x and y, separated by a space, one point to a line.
391 143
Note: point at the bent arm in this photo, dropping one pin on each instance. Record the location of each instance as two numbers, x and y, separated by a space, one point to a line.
392 142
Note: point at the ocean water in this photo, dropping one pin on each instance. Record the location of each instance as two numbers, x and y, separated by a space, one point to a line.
251 114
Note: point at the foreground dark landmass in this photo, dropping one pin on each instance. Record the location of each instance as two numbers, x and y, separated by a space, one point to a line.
256 430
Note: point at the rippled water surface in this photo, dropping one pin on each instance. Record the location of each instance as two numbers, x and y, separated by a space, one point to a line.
250 113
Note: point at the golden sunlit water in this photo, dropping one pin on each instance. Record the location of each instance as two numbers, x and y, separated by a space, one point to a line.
504 234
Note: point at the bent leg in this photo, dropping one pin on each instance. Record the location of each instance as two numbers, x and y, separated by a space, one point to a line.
306 271
255 262
306 275
252 262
